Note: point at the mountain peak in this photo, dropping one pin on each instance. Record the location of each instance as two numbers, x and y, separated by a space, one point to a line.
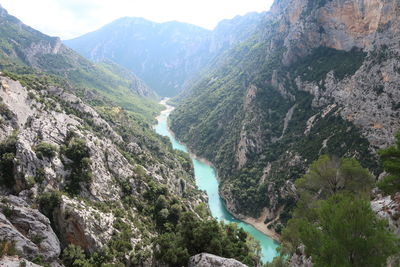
3 11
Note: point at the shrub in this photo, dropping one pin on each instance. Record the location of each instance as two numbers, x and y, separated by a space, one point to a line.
78 152
40 175
37 239
48 202
8 211
7 248
7 155
391 162
74 256
44 149
5 112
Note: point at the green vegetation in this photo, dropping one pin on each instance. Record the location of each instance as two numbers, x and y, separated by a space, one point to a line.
214 117
391 163
192 236
48 202
346 232
74 256
8 211
112 91
7 156
322 60
277 262
7 248
77 151
329 175
47 150
5 112
334 219
68 70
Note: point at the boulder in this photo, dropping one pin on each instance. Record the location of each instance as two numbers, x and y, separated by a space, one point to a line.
8 261
207 260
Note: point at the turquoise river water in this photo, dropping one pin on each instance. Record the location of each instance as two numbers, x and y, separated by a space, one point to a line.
206 179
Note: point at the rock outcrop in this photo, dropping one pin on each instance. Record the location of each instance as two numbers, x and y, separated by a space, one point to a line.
206 260
52 117
29 229
316 77
388 208
82 225
10 261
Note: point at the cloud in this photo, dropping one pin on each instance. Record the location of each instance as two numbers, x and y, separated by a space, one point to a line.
71 18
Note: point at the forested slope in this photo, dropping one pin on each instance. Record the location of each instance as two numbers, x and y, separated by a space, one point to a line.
316 77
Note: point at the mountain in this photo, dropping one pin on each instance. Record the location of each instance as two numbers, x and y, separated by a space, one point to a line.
23 46
316 77
164 55
84 179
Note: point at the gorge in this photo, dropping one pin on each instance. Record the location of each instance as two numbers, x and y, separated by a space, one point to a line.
286 120
206 179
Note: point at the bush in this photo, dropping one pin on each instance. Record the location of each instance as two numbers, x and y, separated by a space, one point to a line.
7 248
48 202
74 256
8 211
391 162
44 149
40 175
5 112
78 152
7 155
192 236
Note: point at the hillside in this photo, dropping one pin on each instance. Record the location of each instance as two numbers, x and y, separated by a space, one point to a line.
22 46
317 77
84 179
164 55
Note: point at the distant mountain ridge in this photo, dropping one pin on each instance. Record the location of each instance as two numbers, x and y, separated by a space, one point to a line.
164 55
22 45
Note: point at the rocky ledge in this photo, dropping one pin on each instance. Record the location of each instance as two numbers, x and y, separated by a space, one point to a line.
207 260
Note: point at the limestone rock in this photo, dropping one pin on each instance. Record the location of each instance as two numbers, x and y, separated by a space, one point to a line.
388 208
83 225
207 260
8 261
29 229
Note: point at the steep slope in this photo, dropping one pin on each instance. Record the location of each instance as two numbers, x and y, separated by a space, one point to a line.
72 164
317 77
164 55
85 182
24 46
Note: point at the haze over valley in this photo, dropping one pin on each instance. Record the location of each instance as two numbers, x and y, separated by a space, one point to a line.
271 138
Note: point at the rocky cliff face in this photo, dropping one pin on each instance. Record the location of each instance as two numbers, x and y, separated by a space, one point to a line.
317 77
205 260
58 120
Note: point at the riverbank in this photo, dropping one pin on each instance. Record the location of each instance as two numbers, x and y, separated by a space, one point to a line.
257 223
261 226
207 179
169 109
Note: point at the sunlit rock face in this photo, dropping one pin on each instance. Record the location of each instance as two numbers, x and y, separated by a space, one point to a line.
297 53
206 260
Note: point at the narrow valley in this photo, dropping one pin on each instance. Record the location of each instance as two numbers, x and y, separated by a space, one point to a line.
207 180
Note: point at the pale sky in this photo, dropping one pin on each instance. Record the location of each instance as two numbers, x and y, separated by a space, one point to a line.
72 18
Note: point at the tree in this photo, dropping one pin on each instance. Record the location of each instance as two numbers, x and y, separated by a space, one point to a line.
347 233
329 175
334 220
391 163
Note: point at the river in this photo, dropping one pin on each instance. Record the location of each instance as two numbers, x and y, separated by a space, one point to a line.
206 179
